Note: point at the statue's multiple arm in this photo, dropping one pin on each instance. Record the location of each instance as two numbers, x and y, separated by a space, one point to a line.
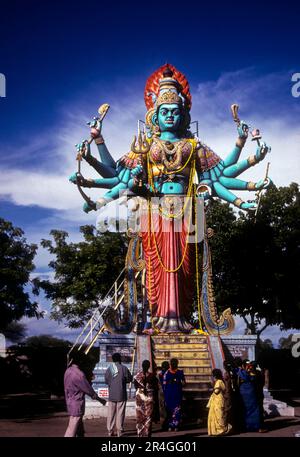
216 176
234 155
220 179
116 177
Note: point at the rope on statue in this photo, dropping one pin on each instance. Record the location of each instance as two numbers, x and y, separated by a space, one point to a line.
197 269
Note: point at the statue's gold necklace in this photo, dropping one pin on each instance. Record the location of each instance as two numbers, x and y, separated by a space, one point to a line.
171 153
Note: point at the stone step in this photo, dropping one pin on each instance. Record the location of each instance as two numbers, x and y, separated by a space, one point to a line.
195 403
181 355
194 363
197 386
181 339
182 347
198 370
200 380
193 354
197 377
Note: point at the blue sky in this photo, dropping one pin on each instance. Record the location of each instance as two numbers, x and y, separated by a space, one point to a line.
62 59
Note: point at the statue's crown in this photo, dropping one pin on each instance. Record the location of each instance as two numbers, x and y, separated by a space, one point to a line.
169 89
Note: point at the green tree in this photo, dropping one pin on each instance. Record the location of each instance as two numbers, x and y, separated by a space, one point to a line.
84 271
38 365
286 343
15 331
46 341
265 345
16 264
256 261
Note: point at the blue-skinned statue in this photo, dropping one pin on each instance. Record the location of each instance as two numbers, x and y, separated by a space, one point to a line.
168 161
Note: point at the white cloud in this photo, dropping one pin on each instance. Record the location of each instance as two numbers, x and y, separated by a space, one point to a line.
265 103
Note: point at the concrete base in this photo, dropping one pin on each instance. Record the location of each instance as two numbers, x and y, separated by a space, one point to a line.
94 409
275 408
242 346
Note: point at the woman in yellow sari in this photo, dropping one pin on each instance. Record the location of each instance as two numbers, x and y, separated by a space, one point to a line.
217 424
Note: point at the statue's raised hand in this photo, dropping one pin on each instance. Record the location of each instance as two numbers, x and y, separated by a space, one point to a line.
95 126
73 178
83 149
261 151
263 184
87 208
243 129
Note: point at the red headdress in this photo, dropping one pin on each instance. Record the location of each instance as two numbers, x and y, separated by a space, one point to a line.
152 86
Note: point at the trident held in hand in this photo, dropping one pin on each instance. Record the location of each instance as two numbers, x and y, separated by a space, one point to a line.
83 149
259 192
256 136
261 152
95 130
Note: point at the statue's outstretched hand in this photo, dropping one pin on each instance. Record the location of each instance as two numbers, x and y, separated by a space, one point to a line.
261 151
76 178
263 183
95 126
243 129
87 208
137 170
83 149
73 178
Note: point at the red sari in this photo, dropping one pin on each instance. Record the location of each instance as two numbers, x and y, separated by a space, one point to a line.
170 289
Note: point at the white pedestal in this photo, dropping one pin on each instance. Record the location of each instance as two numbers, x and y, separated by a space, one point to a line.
94 409
276 407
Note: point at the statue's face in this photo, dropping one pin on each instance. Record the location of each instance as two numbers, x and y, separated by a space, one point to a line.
169 117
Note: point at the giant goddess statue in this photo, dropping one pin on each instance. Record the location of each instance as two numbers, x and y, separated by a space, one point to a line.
171 169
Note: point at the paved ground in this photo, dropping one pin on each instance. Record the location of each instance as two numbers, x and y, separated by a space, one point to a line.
29 417
55 425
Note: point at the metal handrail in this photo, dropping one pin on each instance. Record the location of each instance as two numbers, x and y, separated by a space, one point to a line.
95 312
94 319
103 326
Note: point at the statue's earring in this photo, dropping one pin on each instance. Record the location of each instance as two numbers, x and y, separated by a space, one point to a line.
156 130
154 122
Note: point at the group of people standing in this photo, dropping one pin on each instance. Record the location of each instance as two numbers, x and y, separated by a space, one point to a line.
236 403
159 397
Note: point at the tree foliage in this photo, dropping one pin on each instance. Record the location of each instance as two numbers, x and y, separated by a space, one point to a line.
15 331
84 271
256 261
286 342
16 264
46 341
